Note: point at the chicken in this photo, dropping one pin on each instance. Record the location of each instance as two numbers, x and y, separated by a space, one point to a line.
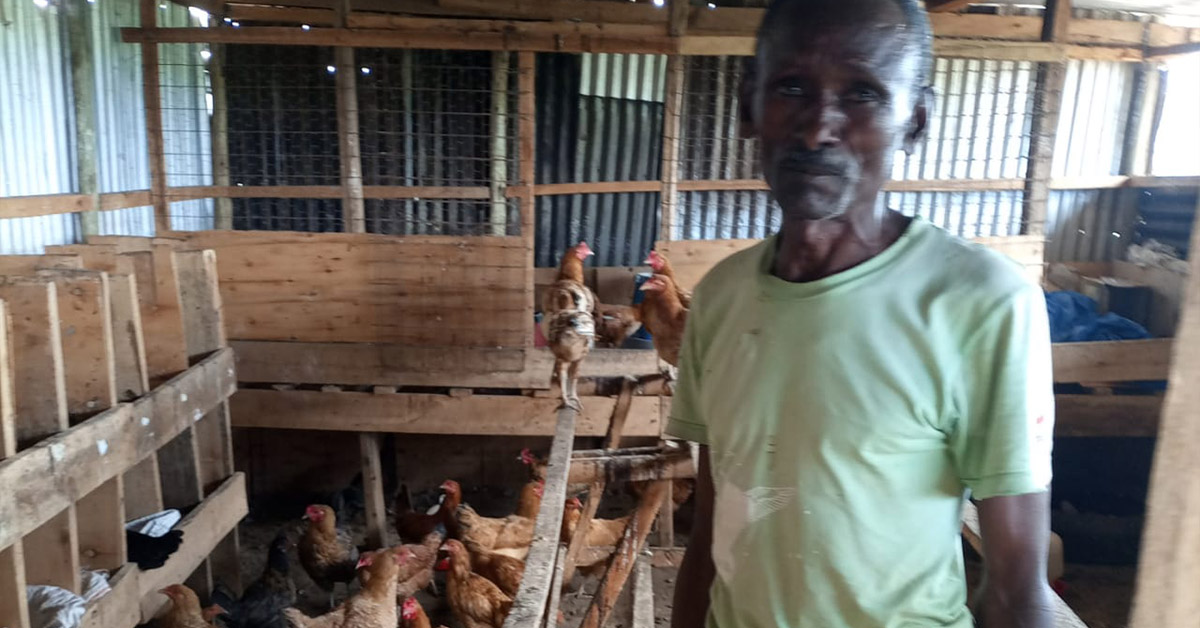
185 609
568 308
414 527
475 600
327 552
504 571
662 266
664 317
412 615
416 572
531 499
372 607
616 323
537 464
510 535
602 534
261 606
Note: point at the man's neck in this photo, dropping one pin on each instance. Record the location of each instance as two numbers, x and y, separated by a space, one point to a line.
809 250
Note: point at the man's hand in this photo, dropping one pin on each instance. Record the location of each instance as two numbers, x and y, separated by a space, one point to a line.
1016 538
696 573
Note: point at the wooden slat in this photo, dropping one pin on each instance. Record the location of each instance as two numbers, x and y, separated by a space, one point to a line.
643 593
101 516
124 200
202 528
118 608
30 264
200 302
162 319
85 317
8 419
1106 415
500 415
45 480
616 467
1167 562
372 475
129 347
143 489
1115 361
529 605
14 606
52 552
179 471
214 447
39 382
43 205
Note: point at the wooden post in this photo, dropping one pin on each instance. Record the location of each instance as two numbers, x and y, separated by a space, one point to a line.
527 168
83 97
152 99
677 21
101 516
666 518
1135 150
1051 77
129 346
1168 569
85 318
222 206
499 144
52 552
625 556
349 149
529 606
372 474
8 428
14 611
143 489
672 126
643 594
39 383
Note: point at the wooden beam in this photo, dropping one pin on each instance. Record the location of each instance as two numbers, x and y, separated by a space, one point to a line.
349 151
48 479
43 205
1056 20
143 489
52 552
1106 415
625 557
1170 538
152 102
556 586
529 605
78 17
162 318
1115 361
643 593
946 6
672 132
1164 52
14 605
119 607
8 419
129 346
615 467
202 528
101 516
412 413
372 477
85 317
219 131
527 169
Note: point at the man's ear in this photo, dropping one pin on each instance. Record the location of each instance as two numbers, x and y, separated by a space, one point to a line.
918 123
747 125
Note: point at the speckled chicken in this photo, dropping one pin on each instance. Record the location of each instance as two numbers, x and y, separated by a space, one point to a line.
568 311
327 551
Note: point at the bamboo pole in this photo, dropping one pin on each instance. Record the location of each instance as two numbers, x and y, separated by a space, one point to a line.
527 169
1051 78
672 126
499 133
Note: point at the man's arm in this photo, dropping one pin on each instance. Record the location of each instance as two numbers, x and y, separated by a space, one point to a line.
697 571
1016 538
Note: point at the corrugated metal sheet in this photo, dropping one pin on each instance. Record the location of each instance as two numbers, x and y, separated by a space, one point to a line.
616 136
35 137
120 116
1167 215
1089 225
1091 123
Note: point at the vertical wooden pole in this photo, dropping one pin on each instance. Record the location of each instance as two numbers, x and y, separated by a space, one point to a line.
677 19
1135 152
666 518
625 557
349 149
14 610
222 206
372 475
643 594
499 144
672 126
151 95
527 169
83 97
52 552
1047 104
101 516
39 384
1168 569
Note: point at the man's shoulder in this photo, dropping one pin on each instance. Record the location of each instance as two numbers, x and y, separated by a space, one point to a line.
972 269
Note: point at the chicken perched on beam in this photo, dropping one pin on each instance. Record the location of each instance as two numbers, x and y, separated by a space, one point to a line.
662 266
664 316
568 311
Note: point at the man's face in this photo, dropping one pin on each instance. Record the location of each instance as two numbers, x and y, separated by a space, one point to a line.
832 97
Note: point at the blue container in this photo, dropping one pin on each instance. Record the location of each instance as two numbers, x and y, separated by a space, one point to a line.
642 337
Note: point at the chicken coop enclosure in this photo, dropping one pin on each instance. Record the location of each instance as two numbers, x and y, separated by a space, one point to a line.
310 240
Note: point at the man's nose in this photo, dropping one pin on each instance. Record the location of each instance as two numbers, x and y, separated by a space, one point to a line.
823 126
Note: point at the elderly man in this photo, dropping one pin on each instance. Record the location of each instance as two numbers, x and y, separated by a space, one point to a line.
854 377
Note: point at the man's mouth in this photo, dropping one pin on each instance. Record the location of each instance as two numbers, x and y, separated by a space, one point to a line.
813 168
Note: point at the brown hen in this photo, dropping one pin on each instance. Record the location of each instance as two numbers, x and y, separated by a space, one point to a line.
476 601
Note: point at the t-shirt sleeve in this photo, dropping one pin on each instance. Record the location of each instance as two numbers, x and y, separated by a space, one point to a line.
687 419
1003 436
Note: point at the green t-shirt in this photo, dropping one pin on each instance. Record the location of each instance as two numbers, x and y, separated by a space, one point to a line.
846 418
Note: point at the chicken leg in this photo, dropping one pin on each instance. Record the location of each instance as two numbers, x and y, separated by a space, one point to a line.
573 399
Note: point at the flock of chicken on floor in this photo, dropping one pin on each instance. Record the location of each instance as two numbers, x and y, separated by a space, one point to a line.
574 321
483 557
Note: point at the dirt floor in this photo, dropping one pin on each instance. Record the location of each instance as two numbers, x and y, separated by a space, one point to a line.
1100 595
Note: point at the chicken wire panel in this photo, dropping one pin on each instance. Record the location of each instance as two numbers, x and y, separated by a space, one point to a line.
287 214
980 124
709 145
965 214
726 215
1091 122
438 118
185 99
620 228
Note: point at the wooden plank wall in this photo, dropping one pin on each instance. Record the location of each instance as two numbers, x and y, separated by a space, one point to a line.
429 290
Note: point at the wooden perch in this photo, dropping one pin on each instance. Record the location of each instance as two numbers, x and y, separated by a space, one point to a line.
625 557
613 466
